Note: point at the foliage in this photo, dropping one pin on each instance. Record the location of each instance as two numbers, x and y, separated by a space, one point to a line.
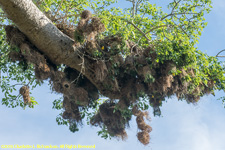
14 74
173 34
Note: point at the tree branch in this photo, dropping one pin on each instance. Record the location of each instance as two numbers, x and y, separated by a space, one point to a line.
38 28
217 55
56 46
144 35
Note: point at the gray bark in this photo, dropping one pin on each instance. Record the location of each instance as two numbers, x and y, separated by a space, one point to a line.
38 28
58 47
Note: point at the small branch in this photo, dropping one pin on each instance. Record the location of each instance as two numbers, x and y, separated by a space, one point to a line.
3 16
15 97
165 35
144 35
175 5
151 31
142 17
58 8
16 84
178 14
2 25
77 15
21 84
172 10
81 72
219 53
155 28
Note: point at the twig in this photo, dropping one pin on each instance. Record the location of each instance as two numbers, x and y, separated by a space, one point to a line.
16 84
155 28
58 9
2 25
151 31
144 35
133 9
142 17
81 71
15 97
178 14
172 10
219 53
68 16
165 35
175 4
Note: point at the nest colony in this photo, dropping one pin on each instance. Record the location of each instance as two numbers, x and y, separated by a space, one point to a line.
127 78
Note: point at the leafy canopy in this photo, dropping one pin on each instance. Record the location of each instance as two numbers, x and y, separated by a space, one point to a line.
172 32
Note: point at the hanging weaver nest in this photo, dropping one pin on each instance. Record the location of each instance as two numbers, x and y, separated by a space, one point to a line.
143 136
24 91
113 120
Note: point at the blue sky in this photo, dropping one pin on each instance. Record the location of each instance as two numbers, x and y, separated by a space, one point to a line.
182 126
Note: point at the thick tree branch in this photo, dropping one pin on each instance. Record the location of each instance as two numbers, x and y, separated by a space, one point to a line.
58 47
38 28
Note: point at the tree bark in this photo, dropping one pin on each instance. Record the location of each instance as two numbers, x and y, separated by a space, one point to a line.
38 28
41 32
